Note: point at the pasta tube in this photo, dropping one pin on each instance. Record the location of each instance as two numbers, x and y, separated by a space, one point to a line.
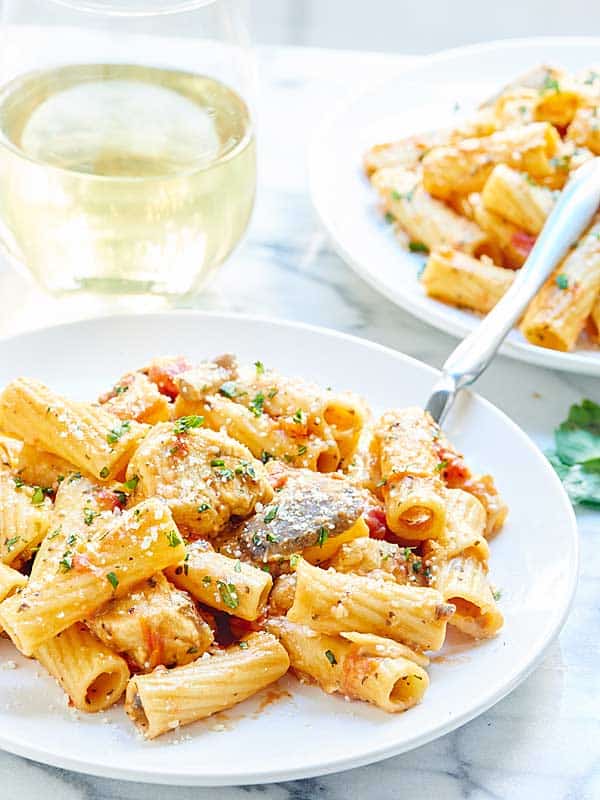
9 452
139 543
90 437
584 129
465 166
166 699
458 279
364 667
367 556
559 97
464 583
153 624
511 195
320 553
332 602
557 314
427 221
91 675
24 516
10 580
405 153
205 477
223 583
410 468
514 244
40 468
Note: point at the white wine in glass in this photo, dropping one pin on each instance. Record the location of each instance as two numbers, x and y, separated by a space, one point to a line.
123 178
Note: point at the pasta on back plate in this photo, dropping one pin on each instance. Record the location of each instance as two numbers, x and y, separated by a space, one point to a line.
202 528
474 199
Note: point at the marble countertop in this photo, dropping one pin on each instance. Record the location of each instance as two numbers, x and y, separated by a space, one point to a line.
543 741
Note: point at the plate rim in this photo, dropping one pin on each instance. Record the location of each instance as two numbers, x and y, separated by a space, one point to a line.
342 763
520 351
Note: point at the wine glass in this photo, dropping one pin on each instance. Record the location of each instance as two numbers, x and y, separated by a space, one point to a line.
127 151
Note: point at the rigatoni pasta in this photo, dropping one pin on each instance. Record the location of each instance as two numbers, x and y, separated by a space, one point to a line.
473 199
246 523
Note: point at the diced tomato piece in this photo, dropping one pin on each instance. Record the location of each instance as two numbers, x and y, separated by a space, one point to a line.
110 500
455 470
375 519
522 242
162 373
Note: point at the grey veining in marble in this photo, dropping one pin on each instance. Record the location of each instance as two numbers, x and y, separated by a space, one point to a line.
543 741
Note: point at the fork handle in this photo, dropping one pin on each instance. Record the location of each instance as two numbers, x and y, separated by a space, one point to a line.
571 215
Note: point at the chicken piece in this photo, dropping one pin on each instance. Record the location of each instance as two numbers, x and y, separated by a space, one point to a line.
154 624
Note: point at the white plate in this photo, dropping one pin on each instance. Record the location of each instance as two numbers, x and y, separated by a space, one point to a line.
436 93
534 562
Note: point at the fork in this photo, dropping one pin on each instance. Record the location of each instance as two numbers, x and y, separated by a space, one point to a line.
576 206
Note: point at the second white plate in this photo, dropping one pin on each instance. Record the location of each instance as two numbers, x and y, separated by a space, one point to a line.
436 93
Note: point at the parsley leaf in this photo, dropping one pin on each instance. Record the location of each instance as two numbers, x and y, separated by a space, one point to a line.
271 513
562 281
256 404
115 434
576 457
260 367
228 389
112 579
418 247
131 485
229 594
329 655
184 424
322 537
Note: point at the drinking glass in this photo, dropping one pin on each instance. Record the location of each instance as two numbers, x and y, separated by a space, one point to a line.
127 152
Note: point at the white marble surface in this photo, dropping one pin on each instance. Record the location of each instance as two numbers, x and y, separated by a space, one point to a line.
543 741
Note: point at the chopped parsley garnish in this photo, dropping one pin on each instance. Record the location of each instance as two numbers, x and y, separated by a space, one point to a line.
207 580
256 540
299 417
243 645
174 539
225 473
37 498
228 593
238 566
497 594
246 468
192 651
272 537
550 85
272 392
264 456
228 389
10 543
301 449
381 483
389 217
260 367
203 507
131 485
256 405
271 513
294 559
408 196
55 533
416 567
19 482
89 515
330 657
66 562
323 536
116 433
266 568
217 462
104 473
562 281
75 476
407 552
112 579
72 539
186 565
418 247
185 424
120 389
441 466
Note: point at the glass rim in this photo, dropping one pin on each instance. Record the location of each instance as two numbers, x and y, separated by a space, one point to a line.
133 8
